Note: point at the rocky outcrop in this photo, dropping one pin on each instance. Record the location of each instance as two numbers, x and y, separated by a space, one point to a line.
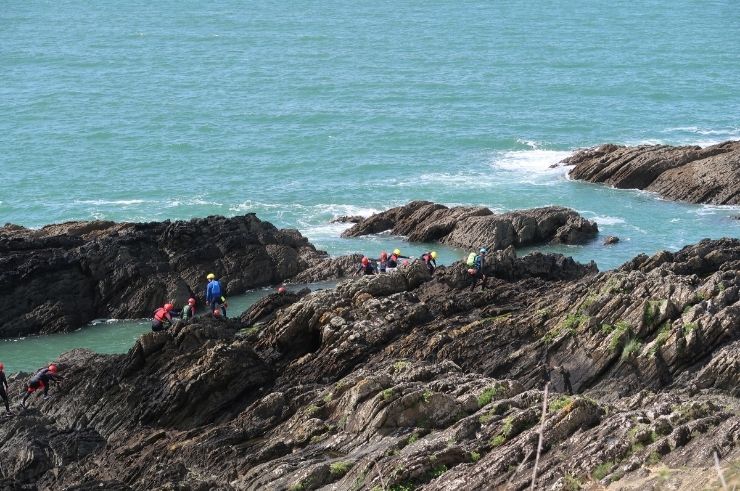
62 276
407 381
477 226
348 219
693 174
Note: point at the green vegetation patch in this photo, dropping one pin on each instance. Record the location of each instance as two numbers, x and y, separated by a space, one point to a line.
387 394
620 329
474 456
651 311
602 470
632 348
487 395
559 403
688 327
338 469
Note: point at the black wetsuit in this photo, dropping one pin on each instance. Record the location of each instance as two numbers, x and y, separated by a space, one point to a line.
43 378
429 261
480 261
369 269
4 391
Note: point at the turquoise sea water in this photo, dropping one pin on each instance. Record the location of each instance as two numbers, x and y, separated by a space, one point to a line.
302 111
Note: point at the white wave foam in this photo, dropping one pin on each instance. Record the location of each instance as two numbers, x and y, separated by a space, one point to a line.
174 203
607 220
729 132
704 210
325 230
116 202
530 143
536 160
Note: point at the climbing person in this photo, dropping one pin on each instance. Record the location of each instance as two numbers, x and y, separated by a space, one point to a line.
430 259
162 318
41 380
366 267
188 311
4 388
477 262
213 294
392 264
282 290
382 262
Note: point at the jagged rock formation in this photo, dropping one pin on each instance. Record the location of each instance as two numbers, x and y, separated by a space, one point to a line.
693 174
476 226
406 381
62 276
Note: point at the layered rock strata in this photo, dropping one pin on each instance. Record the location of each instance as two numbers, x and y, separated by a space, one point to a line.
476 226
693 174
406 381
62 276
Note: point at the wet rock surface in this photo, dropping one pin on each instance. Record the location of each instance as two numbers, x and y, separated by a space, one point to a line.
477 226
408 381
693 174
62 276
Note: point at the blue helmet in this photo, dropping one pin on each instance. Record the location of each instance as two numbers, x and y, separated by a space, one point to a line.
483 250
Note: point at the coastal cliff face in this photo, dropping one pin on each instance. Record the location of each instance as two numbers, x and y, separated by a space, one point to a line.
406 381
693 174
62 276
477 226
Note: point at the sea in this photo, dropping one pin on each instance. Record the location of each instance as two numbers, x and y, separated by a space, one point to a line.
304 111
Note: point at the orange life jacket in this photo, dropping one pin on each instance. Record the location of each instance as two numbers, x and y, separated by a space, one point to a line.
160 314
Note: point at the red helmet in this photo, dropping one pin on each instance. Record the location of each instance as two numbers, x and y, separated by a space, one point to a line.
53 368
2 367
216 312
168 307
383 256
191 301
282 290
365 261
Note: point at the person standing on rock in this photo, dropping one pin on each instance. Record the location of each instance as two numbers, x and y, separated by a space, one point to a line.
162 317
366 267
41 380
476 272
188 311
213 294
4 388
430 259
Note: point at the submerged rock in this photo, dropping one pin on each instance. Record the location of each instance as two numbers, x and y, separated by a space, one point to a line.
62 276
693 174
473 227
407 380
611 240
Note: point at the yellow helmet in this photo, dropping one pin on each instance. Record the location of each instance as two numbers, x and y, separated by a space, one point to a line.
434 254
397 252
211 276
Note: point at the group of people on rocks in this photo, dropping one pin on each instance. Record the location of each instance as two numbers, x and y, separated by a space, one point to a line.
389 264
165 315
42 379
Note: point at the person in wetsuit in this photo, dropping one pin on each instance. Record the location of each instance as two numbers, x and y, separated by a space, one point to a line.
162 318
366 267
41 380
476 272
188 311
214 295
430 259
392 264
4 388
